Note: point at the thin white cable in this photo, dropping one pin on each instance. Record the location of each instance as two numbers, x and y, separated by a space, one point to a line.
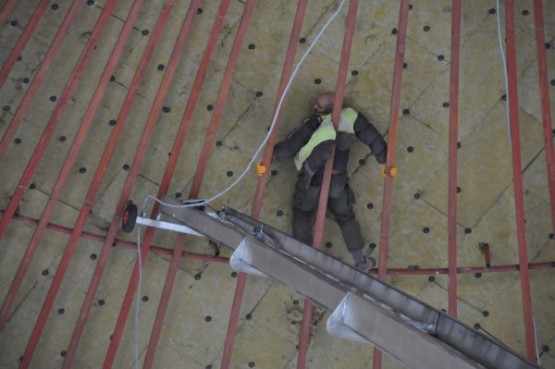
137 306
538 357
249 165
274 121
504 60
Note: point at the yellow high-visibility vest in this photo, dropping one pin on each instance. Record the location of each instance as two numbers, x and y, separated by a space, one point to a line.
326 132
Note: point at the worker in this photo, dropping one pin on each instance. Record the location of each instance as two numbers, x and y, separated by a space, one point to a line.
311 145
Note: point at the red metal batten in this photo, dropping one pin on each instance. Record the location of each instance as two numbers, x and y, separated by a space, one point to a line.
50 127
262 180
121 243
185 122
517 179
109 240
60 183
6 11
39 76
97 178
387 203
22 41
62 178
304 337
545 105
162 92
129 183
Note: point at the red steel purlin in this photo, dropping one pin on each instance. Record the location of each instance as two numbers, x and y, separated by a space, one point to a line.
510 34
304 337
6 10
22 41
391 146
128 186
262 180
185 122
109 240
546 109
39 75
164 186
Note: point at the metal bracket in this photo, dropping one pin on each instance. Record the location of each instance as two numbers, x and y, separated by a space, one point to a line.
167 226
237 260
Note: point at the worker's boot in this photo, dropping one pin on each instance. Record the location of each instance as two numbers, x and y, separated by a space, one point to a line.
366 264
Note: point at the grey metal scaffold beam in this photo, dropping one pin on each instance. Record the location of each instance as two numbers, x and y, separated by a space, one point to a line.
363 308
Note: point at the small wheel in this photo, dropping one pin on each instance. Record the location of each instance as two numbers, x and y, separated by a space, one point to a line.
129 218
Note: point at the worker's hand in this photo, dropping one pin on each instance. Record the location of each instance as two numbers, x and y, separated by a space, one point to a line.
391 172
260 169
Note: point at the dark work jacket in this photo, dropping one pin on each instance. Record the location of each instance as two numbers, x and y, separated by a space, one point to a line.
321 152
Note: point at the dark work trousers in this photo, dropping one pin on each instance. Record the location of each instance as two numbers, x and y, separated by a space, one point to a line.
340 203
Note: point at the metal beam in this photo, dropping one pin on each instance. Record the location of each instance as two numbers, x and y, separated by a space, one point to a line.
327 282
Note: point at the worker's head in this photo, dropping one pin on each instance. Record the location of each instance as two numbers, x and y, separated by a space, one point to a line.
324 103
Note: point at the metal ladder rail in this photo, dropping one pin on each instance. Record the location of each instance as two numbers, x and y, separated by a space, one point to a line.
321 274
448 330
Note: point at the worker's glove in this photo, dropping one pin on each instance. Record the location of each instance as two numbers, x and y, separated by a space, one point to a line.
389 172
260 169
308 174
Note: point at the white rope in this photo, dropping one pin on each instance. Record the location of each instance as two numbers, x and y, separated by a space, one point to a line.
254 158
201 202
504 61
138 302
